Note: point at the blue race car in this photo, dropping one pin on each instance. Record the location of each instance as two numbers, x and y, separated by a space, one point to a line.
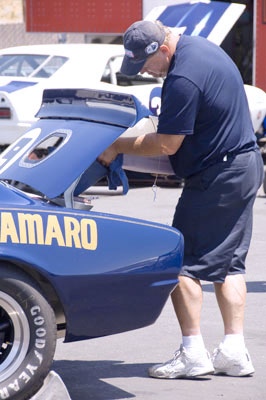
64 269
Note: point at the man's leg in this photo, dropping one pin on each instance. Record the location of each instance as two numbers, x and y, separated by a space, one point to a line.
192 359
231 297
187 302
231 357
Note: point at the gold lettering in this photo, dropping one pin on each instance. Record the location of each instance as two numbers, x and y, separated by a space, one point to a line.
34 224
8 228
92 244
78 233
53 231
72 230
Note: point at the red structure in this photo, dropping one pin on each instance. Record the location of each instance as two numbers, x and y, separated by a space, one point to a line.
83 16
114 16
259 56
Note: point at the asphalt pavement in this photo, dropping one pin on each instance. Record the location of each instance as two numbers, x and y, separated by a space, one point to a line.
115 367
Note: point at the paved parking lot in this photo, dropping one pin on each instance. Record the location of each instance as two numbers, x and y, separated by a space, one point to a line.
114 367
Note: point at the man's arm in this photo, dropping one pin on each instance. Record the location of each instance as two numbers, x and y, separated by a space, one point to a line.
151 144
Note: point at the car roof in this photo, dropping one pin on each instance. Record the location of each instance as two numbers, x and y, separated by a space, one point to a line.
65 49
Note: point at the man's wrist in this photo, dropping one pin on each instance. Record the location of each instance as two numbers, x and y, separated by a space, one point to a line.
116 146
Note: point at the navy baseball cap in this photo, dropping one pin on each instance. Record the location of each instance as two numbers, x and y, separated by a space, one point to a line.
141 40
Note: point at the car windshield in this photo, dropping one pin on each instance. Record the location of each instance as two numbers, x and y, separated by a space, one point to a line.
30 65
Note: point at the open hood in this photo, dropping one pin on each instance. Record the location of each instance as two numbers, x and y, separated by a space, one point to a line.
75 126
210 19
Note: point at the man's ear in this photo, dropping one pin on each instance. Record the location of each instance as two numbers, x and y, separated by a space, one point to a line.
165 49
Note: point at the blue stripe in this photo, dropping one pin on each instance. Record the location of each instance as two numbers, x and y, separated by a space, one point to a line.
199 18
16 85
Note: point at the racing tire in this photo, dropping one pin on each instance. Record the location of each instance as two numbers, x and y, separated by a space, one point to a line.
27 335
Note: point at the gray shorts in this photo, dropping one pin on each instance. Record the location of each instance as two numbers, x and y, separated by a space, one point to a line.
214 213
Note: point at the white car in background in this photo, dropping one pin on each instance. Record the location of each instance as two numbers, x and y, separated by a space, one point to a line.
25 71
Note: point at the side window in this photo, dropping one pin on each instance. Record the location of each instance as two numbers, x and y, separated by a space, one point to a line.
50 67
20 64
111 70
45 148
113 75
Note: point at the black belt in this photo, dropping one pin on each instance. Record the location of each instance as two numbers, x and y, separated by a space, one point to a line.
230 155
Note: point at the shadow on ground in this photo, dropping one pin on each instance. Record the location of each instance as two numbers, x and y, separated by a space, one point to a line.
252 287
85 380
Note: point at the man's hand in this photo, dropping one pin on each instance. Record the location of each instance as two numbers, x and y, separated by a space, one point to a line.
147 145
108 155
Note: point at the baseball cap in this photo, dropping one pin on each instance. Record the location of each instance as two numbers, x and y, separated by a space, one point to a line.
141 40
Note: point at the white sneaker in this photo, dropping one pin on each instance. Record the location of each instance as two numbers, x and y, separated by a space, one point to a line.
184 365
233 364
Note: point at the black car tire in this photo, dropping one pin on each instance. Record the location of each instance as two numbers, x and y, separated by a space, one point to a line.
27 335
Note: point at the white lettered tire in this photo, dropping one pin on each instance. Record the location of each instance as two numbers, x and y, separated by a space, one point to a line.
27 335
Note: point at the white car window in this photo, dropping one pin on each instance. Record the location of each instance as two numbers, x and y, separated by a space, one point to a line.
30 65
113 75
20 64
50 67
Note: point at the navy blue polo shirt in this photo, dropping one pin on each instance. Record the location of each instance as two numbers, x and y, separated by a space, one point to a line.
203 97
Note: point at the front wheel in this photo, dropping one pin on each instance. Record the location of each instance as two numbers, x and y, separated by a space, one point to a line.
27 335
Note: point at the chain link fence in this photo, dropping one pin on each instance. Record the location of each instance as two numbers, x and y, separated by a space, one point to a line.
14 34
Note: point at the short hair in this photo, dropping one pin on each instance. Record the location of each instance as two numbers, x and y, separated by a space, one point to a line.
167 31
